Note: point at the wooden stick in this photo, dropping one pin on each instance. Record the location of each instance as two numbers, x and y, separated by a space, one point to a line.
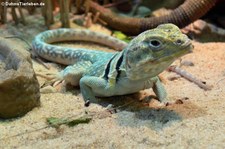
105 2
88 20
64 12
14 15
189 77
43 9
1 11
102 22
96 17
21 15
115 3
31 10
66 15
4 13
87 7
78 6
49 19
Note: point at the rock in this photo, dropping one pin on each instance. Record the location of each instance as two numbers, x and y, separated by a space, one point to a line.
203 31
19 88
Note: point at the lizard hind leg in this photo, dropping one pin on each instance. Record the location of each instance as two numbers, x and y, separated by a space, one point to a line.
71 74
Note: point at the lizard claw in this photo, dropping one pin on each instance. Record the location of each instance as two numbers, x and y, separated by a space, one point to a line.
87 103
55 79
52 78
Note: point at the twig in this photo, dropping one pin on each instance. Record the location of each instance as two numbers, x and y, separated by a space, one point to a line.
21 14
78 120
44 76
80 116
115 4
14 15
219 81
189 77
105 2
40 61
42 128
126 104
1 12
88 20
96 17
49 13
18 37
102 22
78 6
87 7
4 13
23 133
64 13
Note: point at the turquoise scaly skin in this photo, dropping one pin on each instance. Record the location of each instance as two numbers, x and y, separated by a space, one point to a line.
104 74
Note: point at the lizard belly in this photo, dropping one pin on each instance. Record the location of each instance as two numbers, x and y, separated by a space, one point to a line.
123 87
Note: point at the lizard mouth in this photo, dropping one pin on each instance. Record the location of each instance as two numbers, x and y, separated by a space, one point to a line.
186 49
188 46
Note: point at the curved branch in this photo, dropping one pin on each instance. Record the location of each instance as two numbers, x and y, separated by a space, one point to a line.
186 13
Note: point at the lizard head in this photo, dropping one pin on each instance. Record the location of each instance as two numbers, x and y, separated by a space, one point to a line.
154 50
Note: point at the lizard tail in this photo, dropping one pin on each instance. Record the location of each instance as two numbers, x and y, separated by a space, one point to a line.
42 46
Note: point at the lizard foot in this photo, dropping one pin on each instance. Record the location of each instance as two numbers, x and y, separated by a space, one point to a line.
87 103
52 78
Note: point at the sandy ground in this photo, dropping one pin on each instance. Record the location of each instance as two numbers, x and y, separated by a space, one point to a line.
197 122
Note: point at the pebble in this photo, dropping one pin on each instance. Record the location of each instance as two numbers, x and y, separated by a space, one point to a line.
48 89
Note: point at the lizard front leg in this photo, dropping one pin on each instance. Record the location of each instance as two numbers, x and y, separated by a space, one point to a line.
72 74
88 84
159 89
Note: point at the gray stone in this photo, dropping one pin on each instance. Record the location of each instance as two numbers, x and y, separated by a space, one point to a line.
19 88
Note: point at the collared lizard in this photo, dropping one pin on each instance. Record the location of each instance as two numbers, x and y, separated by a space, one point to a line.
104 74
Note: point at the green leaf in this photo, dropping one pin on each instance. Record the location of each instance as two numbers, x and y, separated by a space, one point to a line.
121 36
56 122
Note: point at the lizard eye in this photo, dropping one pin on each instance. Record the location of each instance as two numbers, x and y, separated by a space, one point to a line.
155 43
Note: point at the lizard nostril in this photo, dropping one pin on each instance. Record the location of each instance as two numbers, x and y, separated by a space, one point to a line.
179 41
